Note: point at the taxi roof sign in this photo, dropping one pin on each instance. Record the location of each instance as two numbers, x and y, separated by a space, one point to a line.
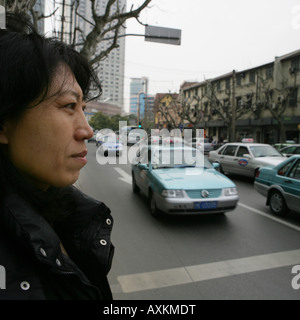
163 35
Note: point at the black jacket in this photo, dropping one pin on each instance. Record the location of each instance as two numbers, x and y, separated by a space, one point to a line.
30 251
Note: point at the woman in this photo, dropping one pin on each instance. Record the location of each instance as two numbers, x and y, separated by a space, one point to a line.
54 240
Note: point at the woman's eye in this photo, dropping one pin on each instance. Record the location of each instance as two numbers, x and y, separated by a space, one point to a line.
70 106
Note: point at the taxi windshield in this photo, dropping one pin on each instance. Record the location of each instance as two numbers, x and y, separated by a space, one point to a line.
180 158
264 151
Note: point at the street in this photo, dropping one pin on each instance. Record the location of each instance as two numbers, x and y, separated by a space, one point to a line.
246 254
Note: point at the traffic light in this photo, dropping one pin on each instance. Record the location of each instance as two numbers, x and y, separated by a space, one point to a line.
140 125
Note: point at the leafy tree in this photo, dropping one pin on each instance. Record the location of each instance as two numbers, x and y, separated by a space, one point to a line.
101 121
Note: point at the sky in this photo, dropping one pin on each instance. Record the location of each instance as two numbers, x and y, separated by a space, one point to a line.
218 36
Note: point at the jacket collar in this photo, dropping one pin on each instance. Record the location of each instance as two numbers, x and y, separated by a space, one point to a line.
21 221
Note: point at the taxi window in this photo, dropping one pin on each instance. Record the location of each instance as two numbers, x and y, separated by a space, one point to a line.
230 151
283 171
221 150
242 151
295 172
289 150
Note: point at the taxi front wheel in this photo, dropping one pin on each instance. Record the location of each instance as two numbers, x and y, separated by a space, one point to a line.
153 208
277 204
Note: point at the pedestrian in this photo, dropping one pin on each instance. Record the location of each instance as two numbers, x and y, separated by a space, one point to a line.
54 240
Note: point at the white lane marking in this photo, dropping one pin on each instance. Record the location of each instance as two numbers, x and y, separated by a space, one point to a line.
124 175
270 216
179 276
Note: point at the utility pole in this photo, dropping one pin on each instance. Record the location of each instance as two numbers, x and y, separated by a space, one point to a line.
146 102
233 109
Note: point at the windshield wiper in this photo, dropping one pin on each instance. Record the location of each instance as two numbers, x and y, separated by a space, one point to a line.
184 166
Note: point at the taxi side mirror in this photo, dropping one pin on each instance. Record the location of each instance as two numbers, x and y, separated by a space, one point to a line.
143 166
216 165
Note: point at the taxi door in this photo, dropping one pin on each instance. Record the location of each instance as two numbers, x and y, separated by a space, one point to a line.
227 159
291 187
242 163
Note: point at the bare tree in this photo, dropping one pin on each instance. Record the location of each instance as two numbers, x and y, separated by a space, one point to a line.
276 101
171 113
105 27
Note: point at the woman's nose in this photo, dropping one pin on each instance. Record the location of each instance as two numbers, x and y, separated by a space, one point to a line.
83 131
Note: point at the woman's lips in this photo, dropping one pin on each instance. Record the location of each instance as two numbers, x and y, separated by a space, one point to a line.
80 157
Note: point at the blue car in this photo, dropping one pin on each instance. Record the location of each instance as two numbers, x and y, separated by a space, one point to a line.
181 180
281 186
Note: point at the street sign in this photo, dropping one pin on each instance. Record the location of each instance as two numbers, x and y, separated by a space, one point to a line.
163 35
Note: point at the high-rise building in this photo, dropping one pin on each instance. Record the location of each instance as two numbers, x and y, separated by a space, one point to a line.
138 89
141 103
110 70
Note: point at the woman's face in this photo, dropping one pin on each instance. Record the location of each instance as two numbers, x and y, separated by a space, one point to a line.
47 144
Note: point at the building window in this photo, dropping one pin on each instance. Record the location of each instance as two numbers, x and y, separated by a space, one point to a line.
239 79
269 72
293 95
227 85
295 64
226 103
252 76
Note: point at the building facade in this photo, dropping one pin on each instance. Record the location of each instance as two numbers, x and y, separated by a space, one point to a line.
260 103
94 107
167 111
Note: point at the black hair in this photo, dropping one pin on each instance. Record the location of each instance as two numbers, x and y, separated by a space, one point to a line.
28 64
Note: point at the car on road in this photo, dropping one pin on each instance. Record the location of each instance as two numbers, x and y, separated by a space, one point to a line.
92 139
181 180
134 136
169 141
111 145
281 186
201 143
290 150
279 146
245 158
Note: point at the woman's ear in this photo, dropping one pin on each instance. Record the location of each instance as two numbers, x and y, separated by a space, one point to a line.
3 134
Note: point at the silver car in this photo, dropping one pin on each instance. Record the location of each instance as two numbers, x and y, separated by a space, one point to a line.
245 158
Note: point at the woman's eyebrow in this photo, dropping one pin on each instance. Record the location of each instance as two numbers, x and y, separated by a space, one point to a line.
73 93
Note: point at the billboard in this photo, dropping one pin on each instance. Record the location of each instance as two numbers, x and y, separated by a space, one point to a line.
163 35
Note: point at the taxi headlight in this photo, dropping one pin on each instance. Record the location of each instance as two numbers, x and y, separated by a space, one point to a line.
172 193
230 192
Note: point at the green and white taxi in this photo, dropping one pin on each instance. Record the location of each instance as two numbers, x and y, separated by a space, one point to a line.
281 186
181 180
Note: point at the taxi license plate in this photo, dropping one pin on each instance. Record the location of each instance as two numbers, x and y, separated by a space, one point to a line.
206 205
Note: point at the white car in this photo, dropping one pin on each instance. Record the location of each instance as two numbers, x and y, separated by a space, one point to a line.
245 158
111 145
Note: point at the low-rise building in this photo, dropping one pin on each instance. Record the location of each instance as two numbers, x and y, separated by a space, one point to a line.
261 102
108 109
